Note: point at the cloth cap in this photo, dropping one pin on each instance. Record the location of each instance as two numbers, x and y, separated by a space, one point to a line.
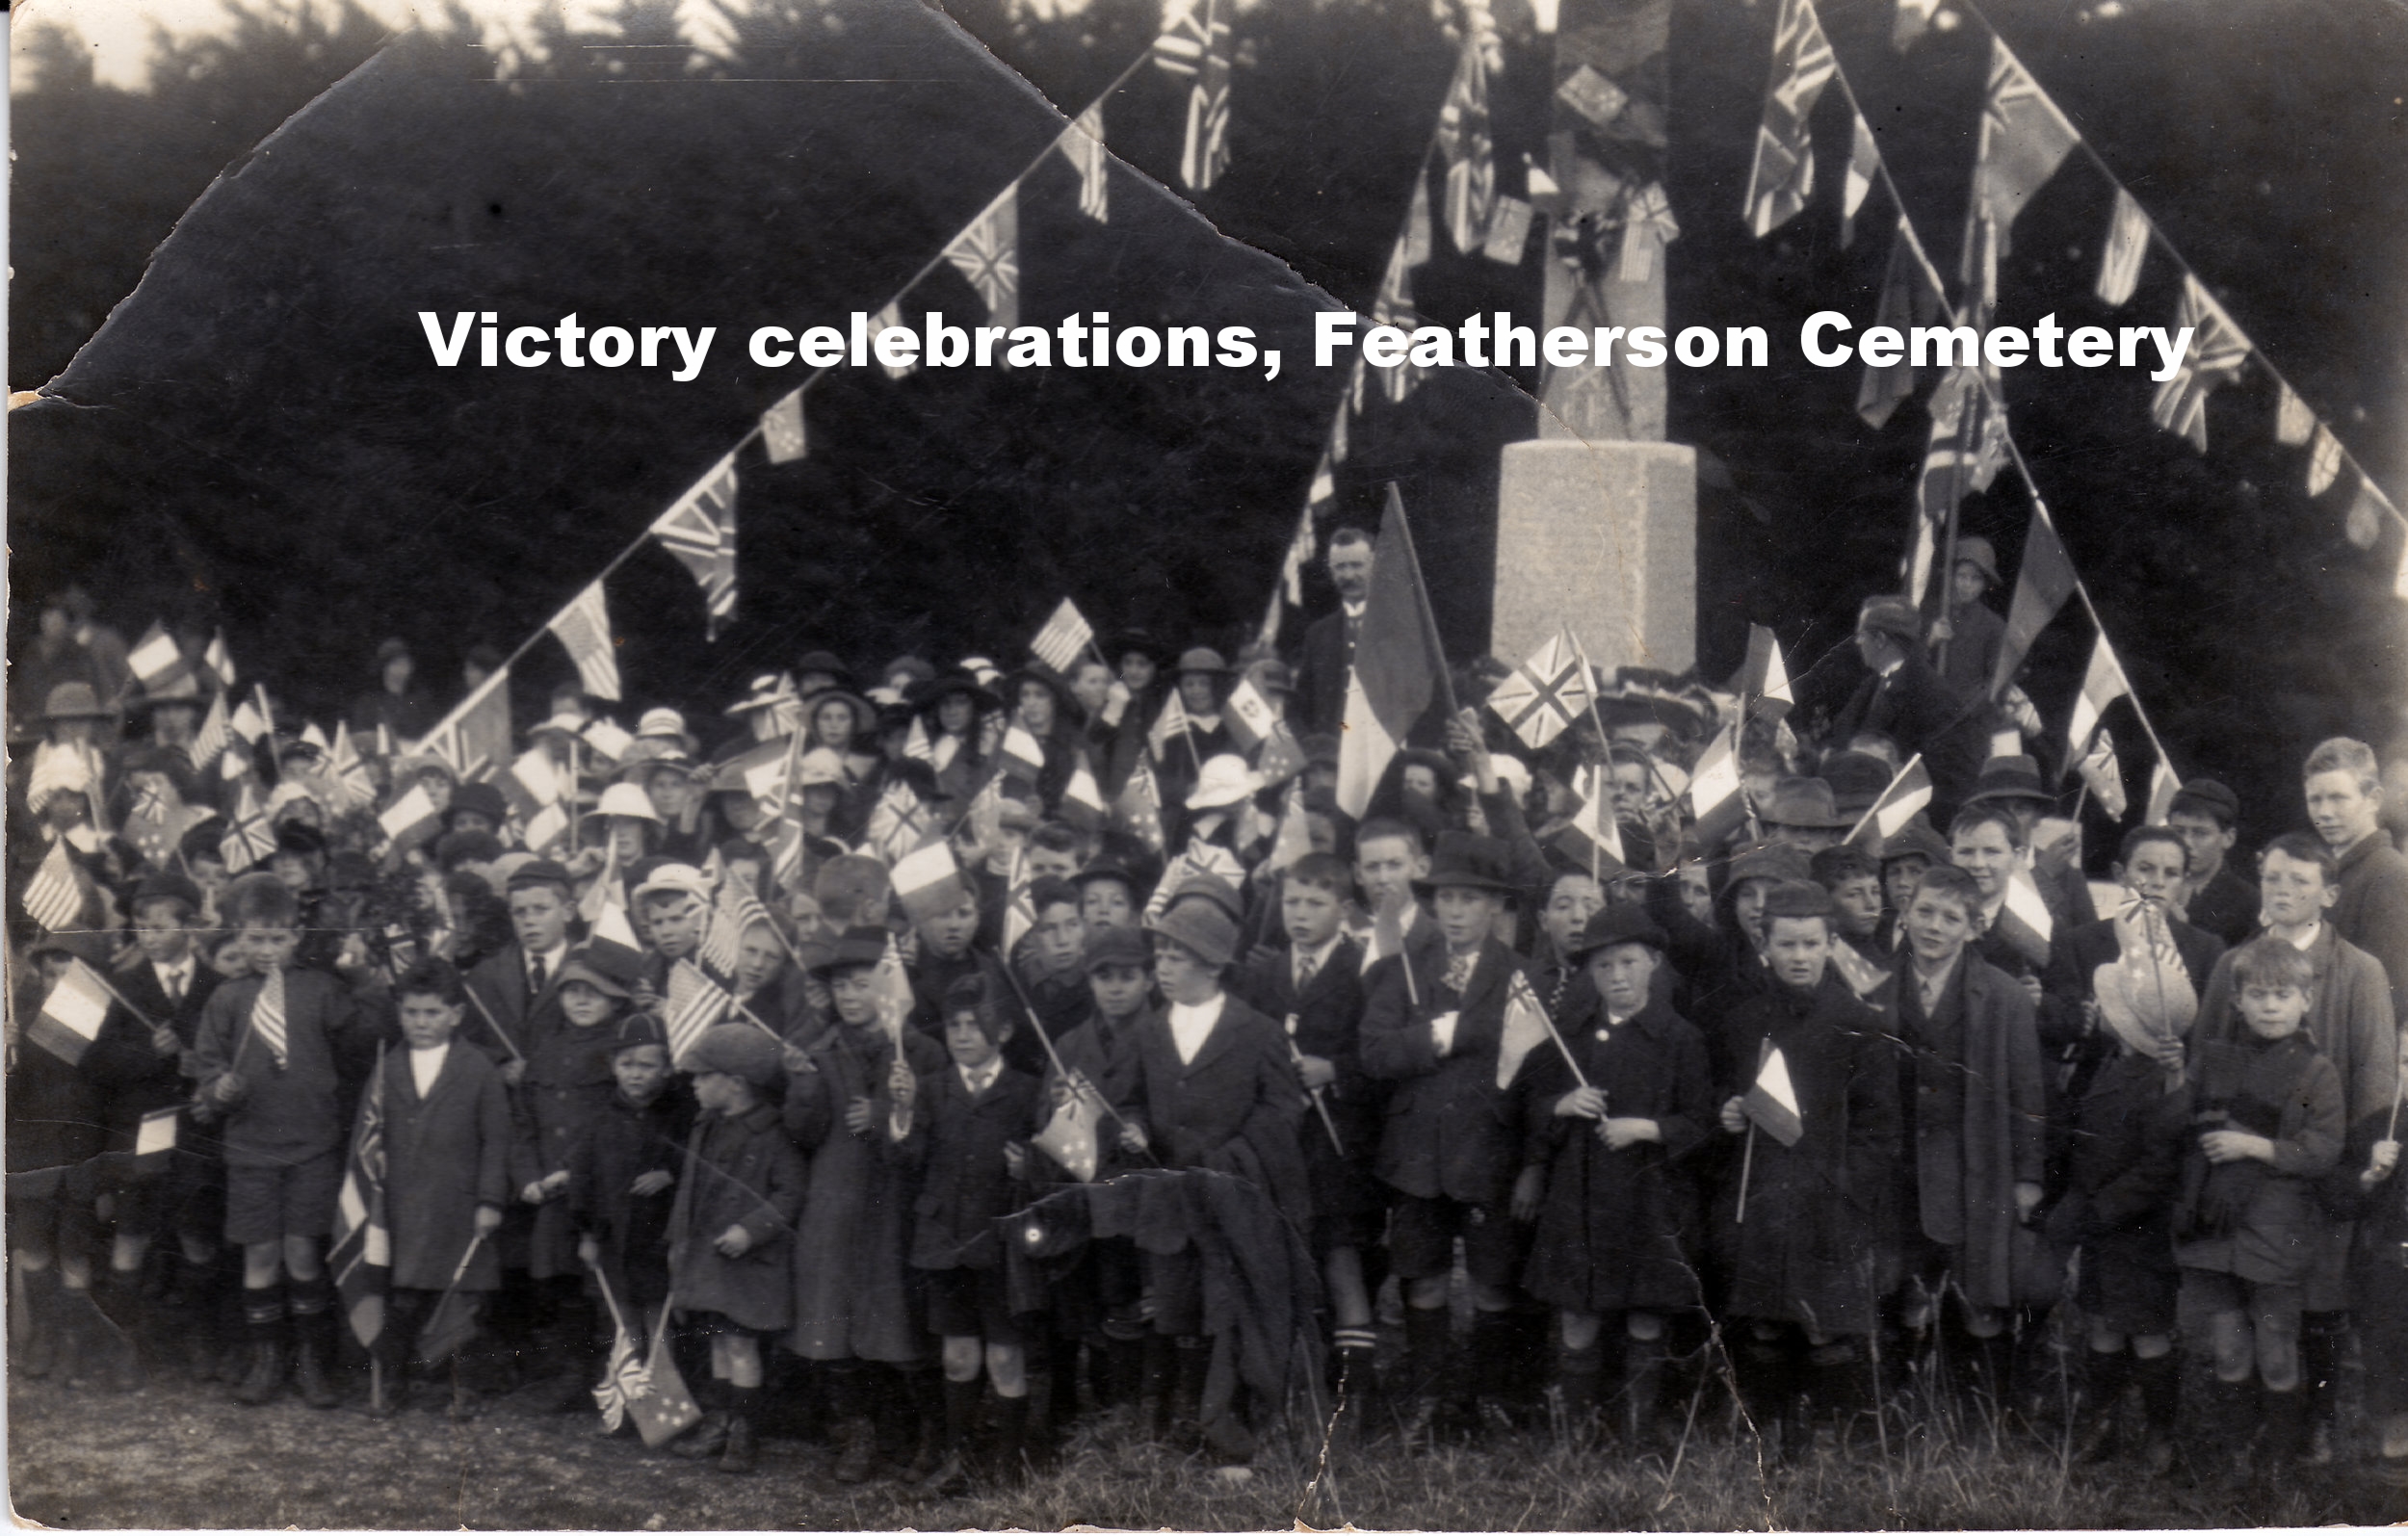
825 665
1917 837
1856 779
1201 659
540 871
1770 861
2207 797
1118 945
1469 861
483 798
640 1027
1797 898
587 966
1894 617
478 847
166 885
860 947
739 1050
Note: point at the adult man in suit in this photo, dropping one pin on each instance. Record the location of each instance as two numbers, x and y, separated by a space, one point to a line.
1433 1028
1328 653
1906 701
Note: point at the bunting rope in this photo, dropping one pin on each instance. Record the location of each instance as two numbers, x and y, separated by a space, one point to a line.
1990 385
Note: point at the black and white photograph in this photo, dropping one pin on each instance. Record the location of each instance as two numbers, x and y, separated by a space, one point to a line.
1219 764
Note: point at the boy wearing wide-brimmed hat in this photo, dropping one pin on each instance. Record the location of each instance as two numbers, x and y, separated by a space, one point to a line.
1210 1074
1432 1026
1972 633
732 1232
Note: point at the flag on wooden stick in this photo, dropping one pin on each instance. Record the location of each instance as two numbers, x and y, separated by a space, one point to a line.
1543 696
157 662
71 1013
1770 1101
54 897
1399 670
361 1257
1065 636
1906 795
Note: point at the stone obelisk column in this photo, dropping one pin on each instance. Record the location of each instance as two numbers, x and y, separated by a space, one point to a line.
1597 516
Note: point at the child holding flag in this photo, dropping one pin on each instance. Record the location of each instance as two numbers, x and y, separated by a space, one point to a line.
1800 1222
1606 1167
273 1056
731 1248
446 1144
622 1172
963 1132
854 1305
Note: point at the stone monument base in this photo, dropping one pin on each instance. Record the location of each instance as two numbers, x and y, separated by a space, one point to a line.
1599 539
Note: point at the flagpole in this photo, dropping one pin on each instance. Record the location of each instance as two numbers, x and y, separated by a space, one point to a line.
1875 809
494 1024
1747 1167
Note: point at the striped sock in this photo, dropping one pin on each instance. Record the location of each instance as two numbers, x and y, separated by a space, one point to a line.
1355 1339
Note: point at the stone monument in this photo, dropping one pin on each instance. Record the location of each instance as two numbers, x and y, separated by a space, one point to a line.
1597 516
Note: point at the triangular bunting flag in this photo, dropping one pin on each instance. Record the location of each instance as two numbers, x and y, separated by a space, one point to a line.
701 530
2325 460
584 627
2126 248
2024 140
1463 140
1782 176
2216 353
988 254
2294 421
783 431
2101 685
1864 164
2043 583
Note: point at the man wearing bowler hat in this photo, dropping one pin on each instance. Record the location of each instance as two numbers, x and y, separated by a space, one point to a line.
1328 652
1906 700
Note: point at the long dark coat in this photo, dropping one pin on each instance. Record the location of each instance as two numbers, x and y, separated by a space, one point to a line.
1238 1089
622 1142
1808 1251
567 1084
1448 1130
499 981
1619 1230
2260 1221
444 1155
1327 1022
851 1297
743 1172
1967 1164
956 1150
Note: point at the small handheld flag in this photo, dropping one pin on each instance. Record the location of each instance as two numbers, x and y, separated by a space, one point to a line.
54 897
1545 693
1065 636
1908 792
361 1257
266 1018
70 1016
1526 1027
1770 1103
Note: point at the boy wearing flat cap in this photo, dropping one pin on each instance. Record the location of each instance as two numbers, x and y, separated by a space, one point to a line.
622 1172
732 1230
2215 897
1607 1168
1432 1026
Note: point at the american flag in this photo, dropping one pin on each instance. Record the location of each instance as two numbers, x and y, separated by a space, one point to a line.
696 1003
1065 635
250 839
584 627
361 1257
1206 152
1081 143
1463 138
733 910
1544 694
54 897
701 530
214 735
1181 43
267 1016
1782 176
988 254
2214 358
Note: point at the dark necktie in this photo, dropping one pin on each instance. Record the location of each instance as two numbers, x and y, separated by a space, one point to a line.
535 976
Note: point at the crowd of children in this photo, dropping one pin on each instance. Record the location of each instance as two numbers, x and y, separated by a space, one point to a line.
754 1057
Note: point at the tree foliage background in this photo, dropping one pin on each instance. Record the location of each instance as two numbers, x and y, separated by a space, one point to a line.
261 441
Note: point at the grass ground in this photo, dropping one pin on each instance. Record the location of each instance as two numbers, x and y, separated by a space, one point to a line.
176 1455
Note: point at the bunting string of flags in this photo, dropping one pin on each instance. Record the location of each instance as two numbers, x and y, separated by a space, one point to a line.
2023 140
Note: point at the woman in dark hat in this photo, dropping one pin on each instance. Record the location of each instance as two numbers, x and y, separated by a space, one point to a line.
1043 706
1132 703
1608 1172
953 710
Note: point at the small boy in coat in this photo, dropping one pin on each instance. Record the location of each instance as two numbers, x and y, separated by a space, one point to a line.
622 1171
732 1229
965 1131
2267 1121
447 1143
275 1052
1801 1248
1314 986
1432 1026
1606 1166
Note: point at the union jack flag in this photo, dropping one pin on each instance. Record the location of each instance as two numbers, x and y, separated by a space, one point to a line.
2214 358
1206 152
1545 693
250 839
362 1256
1463 138
899 823
988 254
701 530
1782 176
